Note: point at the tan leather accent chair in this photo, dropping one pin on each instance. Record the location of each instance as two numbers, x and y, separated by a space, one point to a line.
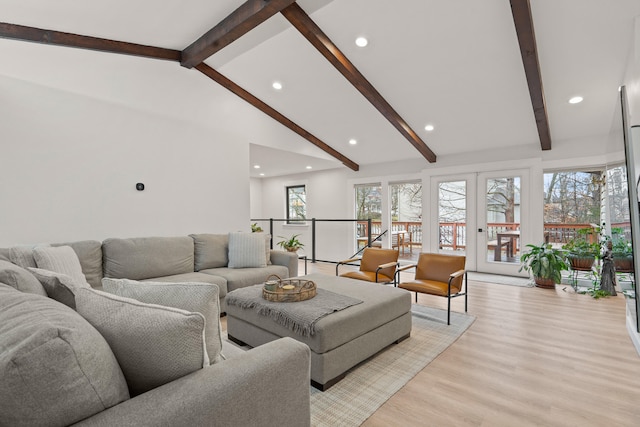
376 265
438 274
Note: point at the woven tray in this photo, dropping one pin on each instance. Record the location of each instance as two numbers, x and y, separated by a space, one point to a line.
290 290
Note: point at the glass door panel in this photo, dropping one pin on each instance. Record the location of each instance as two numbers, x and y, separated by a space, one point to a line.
503 219
452 216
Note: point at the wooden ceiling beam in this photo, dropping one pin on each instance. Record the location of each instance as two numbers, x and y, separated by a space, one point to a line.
305 25
242 20
522 18
38 35
260 105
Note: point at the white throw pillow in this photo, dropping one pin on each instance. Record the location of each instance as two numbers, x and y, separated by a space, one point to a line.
61 259
193 297
58 286
153 344
247 250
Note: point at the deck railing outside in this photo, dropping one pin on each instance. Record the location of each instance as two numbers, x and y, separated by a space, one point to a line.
453 235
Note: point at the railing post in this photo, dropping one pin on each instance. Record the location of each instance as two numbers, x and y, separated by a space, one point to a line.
271 232
313 240
369 233
455 236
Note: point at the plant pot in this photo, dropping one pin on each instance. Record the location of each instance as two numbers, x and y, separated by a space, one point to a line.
544 283
581 262
291 249
623 264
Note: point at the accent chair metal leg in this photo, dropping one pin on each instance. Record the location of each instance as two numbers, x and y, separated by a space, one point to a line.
449 310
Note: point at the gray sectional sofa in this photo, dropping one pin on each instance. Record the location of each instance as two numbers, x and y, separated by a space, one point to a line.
194 258
59 367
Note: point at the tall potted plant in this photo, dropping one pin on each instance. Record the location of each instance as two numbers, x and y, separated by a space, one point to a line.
545 264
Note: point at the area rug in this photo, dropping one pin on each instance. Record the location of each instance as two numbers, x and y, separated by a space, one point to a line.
500 280
367 386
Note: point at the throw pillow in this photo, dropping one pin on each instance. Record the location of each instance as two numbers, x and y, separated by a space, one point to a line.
193 297
247 250
153 344
23 255
59 287
19 278
60 259
55 368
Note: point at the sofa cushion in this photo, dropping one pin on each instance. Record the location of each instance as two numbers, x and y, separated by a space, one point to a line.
147 257
89 253
61 259
247 250
194 277
241 277
19 278
211 250
193 297
23 255
60 287
55 368
153 344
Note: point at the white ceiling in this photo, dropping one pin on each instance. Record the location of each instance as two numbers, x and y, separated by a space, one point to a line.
454 64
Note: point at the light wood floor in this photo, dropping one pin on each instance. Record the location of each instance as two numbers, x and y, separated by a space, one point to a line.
533 357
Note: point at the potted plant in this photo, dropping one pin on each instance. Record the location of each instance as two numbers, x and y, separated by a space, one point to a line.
545 264
291 244
581 251
255 228
621 251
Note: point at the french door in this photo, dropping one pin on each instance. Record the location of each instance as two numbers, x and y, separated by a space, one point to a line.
482 216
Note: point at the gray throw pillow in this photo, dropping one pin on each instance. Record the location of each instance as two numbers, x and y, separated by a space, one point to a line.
60 259
193 297
55 368
23 255
19 278
154 344
59 287
247 250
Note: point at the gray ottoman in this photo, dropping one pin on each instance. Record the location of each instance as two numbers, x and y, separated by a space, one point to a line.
342 339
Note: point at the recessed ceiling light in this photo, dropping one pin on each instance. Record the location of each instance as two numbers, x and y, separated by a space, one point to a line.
576 100
256 166
276 85
353 141
429 128
261 174
361 42
309 167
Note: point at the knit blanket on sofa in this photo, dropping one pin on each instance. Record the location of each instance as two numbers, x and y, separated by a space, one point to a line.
299 317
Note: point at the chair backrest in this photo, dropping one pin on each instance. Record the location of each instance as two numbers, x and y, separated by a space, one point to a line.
439 267
373 257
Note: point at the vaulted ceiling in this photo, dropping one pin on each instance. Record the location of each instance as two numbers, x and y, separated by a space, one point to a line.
471 69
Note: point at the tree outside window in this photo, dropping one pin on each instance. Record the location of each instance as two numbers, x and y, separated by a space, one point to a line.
296 204
368 201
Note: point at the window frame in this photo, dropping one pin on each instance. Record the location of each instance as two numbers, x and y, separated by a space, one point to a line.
296 220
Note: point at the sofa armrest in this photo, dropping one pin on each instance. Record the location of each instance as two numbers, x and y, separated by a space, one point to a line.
266 386
288 259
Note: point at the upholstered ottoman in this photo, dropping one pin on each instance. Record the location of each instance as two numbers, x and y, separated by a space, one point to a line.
341 339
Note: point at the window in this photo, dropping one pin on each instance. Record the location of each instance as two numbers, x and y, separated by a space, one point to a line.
368 201
296 204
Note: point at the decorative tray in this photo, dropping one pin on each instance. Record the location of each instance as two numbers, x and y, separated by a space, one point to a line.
288 290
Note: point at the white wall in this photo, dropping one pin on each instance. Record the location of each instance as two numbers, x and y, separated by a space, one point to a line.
69 165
